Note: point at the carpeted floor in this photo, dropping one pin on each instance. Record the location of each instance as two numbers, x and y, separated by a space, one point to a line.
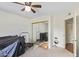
42 52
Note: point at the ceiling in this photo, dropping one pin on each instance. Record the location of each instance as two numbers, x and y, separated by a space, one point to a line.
47 8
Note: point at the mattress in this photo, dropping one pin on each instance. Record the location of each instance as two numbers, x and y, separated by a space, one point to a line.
7 40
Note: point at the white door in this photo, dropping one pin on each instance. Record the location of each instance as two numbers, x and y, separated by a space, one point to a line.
35 31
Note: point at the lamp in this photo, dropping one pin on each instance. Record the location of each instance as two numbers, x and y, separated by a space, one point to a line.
27 8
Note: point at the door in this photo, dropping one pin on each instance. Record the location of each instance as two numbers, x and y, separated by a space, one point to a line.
35 30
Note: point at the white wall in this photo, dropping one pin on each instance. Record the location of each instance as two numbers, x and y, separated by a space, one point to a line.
58 30
58 27
11 24
77 35
44 18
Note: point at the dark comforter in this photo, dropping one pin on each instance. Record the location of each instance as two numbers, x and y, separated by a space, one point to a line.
13 44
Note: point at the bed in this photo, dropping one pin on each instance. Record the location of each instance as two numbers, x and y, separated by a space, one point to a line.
12 46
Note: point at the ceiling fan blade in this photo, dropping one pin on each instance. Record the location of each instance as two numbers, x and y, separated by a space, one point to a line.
33 10
18 3
22 9
37 6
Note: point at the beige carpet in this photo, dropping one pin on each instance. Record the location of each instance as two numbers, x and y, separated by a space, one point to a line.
41 52
44 45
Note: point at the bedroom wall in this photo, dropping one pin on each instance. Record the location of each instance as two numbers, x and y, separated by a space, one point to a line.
44 18
77 35
58 27
58 30
12 24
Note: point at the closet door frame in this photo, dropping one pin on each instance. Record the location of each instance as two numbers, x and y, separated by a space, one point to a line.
37 23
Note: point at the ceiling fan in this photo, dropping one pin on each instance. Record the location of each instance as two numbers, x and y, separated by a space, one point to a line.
28 6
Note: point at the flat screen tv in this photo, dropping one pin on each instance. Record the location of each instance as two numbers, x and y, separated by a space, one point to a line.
44 36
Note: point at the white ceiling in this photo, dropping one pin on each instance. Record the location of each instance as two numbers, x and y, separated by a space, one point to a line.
47 8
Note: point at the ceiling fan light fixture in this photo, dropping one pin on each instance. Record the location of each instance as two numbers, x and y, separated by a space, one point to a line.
27 8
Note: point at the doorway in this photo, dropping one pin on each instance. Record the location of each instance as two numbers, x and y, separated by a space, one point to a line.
69 44
40 33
